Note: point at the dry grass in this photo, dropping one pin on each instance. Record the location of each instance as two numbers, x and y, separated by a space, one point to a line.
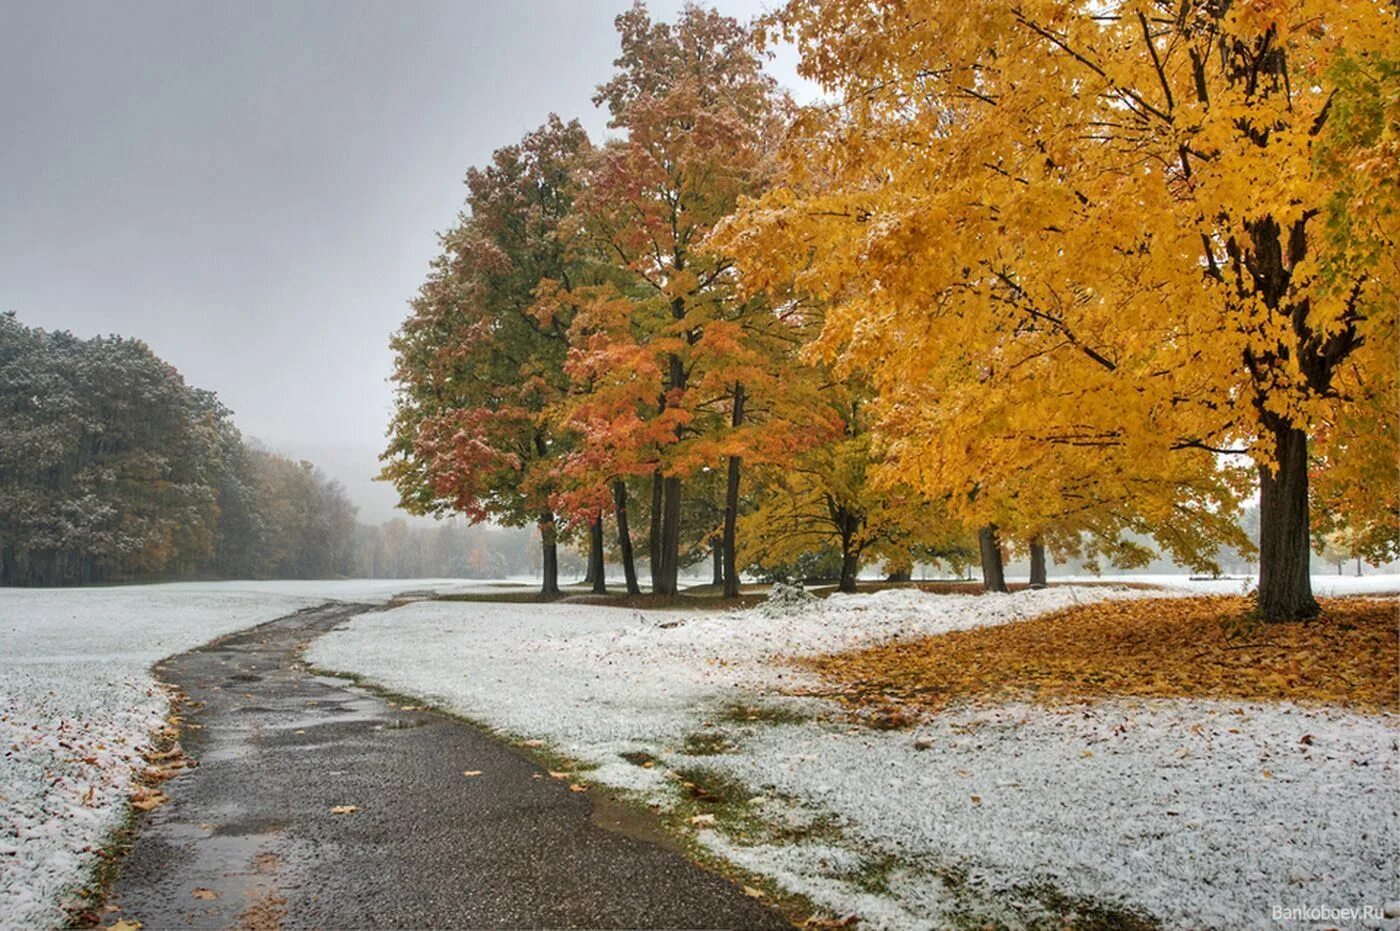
1158 648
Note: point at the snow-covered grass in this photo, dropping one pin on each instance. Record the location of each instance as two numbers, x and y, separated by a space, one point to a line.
1199 814
77 704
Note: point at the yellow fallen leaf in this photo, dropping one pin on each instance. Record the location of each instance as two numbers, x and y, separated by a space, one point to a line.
560 775
205 894
148 800
471 772
124 925
753 893
344 809
577 787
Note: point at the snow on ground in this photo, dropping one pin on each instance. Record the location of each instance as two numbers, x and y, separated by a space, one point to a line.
77 703
1202 814
1324 586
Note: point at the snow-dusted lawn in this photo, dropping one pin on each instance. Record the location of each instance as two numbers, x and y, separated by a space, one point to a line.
77 703
1201 814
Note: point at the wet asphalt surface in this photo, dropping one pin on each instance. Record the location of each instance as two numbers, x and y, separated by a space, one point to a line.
248 839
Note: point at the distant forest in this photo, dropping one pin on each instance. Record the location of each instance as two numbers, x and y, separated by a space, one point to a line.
112 469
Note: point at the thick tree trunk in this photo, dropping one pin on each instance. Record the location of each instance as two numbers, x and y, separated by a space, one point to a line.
849 525
624 537
716 563
654 538
670 535
731 503
993 574
596 568
549 547
850 568
900 575
1285 587
1037 564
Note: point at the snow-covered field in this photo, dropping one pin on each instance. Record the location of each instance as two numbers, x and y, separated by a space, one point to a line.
1201 814
77 703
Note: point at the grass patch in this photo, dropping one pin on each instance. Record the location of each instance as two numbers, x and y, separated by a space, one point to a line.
1158 648
707 743
761 714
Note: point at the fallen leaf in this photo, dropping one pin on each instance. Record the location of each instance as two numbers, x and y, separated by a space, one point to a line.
125 925
532 743
577 787
560 775
703 819
471 772
205 894
146 800
344 809
753 893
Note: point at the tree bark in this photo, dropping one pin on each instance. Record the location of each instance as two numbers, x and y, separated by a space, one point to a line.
670 535
1285 587
549 547
716 563
900 575
993 573
654 538
596 568
850 555
1037 564
624 537
731 503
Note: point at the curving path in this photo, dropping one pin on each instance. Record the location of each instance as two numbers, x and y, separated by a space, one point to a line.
248 838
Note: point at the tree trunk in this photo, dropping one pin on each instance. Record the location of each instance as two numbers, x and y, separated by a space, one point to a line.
900 575
654 539
716 563
1358 567
1037 564
624 537
849 525
549 547
993 574
731 503
596 568
670 535
1285 588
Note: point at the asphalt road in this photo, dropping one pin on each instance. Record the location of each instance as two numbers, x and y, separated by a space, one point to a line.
249 839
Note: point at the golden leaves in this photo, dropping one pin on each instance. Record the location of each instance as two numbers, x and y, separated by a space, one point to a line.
1155 648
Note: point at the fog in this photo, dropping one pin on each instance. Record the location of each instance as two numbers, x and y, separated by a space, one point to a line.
254 189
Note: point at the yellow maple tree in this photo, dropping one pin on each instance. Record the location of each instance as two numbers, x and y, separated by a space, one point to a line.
1114 246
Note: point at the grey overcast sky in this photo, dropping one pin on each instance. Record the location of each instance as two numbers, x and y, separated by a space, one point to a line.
254 188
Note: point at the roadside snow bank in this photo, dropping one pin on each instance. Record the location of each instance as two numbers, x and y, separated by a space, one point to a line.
77 704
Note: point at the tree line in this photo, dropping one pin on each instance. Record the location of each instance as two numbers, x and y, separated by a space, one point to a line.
1035 276
112 468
